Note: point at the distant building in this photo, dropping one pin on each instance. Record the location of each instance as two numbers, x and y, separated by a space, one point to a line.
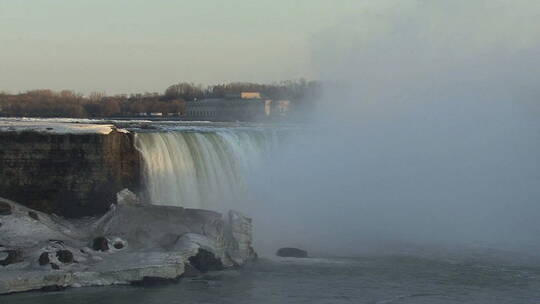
268 107
282 107
250 95
174 114
244 95
222 109
244 106
156 114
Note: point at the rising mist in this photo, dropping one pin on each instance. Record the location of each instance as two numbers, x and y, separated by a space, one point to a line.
428 133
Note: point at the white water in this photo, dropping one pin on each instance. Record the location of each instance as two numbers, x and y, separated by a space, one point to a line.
201 169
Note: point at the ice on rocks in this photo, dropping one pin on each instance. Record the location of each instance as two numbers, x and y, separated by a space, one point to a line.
144 241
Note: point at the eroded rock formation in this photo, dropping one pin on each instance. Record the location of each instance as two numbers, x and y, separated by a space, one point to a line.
133 243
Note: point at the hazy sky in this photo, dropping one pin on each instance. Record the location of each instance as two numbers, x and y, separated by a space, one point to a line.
132 46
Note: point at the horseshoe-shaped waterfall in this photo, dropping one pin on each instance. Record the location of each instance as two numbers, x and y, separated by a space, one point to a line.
201 169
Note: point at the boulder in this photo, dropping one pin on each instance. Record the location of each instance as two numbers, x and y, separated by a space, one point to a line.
126 197
190 271
33 215
119 245
100 244
13 256
292 252
52 288
5 208
205 261
65 256
44 259
154 281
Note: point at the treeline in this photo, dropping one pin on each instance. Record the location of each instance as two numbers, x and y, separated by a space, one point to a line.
48 103
292 90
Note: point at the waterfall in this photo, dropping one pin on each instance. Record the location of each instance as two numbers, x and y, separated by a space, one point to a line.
200 169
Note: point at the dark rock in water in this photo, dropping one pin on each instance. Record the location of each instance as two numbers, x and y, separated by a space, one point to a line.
5 208
206 261
100 244
44 259
14 256
33 215
154 281
190 271
52 288
65 256
54 266
292 252
118 245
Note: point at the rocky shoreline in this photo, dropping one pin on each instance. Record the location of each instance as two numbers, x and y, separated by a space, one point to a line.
133 243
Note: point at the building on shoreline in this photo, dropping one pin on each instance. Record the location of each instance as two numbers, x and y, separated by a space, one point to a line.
245 106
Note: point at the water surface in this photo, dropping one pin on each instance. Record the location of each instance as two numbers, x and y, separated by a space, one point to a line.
381 279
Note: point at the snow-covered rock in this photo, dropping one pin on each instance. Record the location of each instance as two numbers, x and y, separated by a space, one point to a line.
239 238
135 243
55 127
126 197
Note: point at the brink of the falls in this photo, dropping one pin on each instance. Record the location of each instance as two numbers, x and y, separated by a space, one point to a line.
200 169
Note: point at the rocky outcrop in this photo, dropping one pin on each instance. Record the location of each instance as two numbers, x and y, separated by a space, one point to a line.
292 252
71 174
133 243
240 241
205 261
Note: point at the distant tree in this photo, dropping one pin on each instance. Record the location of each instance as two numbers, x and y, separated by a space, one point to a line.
96 96
185 91
110 108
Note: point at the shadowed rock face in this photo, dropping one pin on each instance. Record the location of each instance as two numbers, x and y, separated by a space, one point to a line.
100 244
13 256
5 208
72 175
65 256
44 258
205 261
292 252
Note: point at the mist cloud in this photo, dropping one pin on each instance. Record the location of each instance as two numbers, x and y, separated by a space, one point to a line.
427 133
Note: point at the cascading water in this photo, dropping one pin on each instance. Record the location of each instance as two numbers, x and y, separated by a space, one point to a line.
201 169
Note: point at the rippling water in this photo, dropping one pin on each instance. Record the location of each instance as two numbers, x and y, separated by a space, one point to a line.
382 279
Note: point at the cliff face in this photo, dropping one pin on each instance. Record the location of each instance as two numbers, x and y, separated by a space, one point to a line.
72 175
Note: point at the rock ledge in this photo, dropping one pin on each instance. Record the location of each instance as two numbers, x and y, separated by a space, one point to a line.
136 244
